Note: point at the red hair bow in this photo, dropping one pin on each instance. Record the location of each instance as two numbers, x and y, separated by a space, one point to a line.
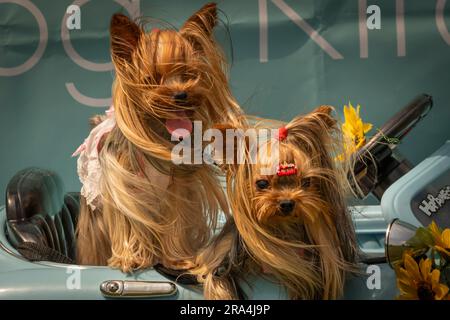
288 169
282 133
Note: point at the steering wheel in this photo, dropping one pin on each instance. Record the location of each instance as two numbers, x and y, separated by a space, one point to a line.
375 168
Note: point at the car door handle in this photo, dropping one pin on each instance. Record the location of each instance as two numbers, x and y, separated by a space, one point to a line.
137 289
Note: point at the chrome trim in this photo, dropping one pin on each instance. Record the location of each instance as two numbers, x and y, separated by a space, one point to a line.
137 289
386 241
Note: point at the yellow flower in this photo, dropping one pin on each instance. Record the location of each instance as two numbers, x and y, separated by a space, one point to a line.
441 239
419 282
354 129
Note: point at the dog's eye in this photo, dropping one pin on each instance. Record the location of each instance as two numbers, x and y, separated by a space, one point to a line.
262 184
306 183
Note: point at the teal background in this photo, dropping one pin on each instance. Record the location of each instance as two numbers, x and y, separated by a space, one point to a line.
41 124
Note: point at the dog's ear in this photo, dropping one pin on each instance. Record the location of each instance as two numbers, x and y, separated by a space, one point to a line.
318 120
202 22
324 113
124 36
314 130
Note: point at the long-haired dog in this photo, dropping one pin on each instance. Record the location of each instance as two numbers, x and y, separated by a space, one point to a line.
291 224
139 208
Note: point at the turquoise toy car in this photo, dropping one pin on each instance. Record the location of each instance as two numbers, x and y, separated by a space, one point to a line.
37 240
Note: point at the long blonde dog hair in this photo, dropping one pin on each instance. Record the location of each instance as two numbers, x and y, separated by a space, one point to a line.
259 242
142 222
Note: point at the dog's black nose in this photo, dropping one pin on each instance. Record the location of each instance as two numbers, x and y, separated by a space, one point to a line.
182 95
287 206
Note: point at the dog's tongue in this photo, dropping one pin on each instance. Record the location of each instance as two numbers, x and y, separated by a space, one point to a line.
175 126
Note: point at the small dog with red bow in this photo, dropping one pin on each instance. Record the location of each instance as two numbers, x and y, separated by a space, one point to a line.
292 225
